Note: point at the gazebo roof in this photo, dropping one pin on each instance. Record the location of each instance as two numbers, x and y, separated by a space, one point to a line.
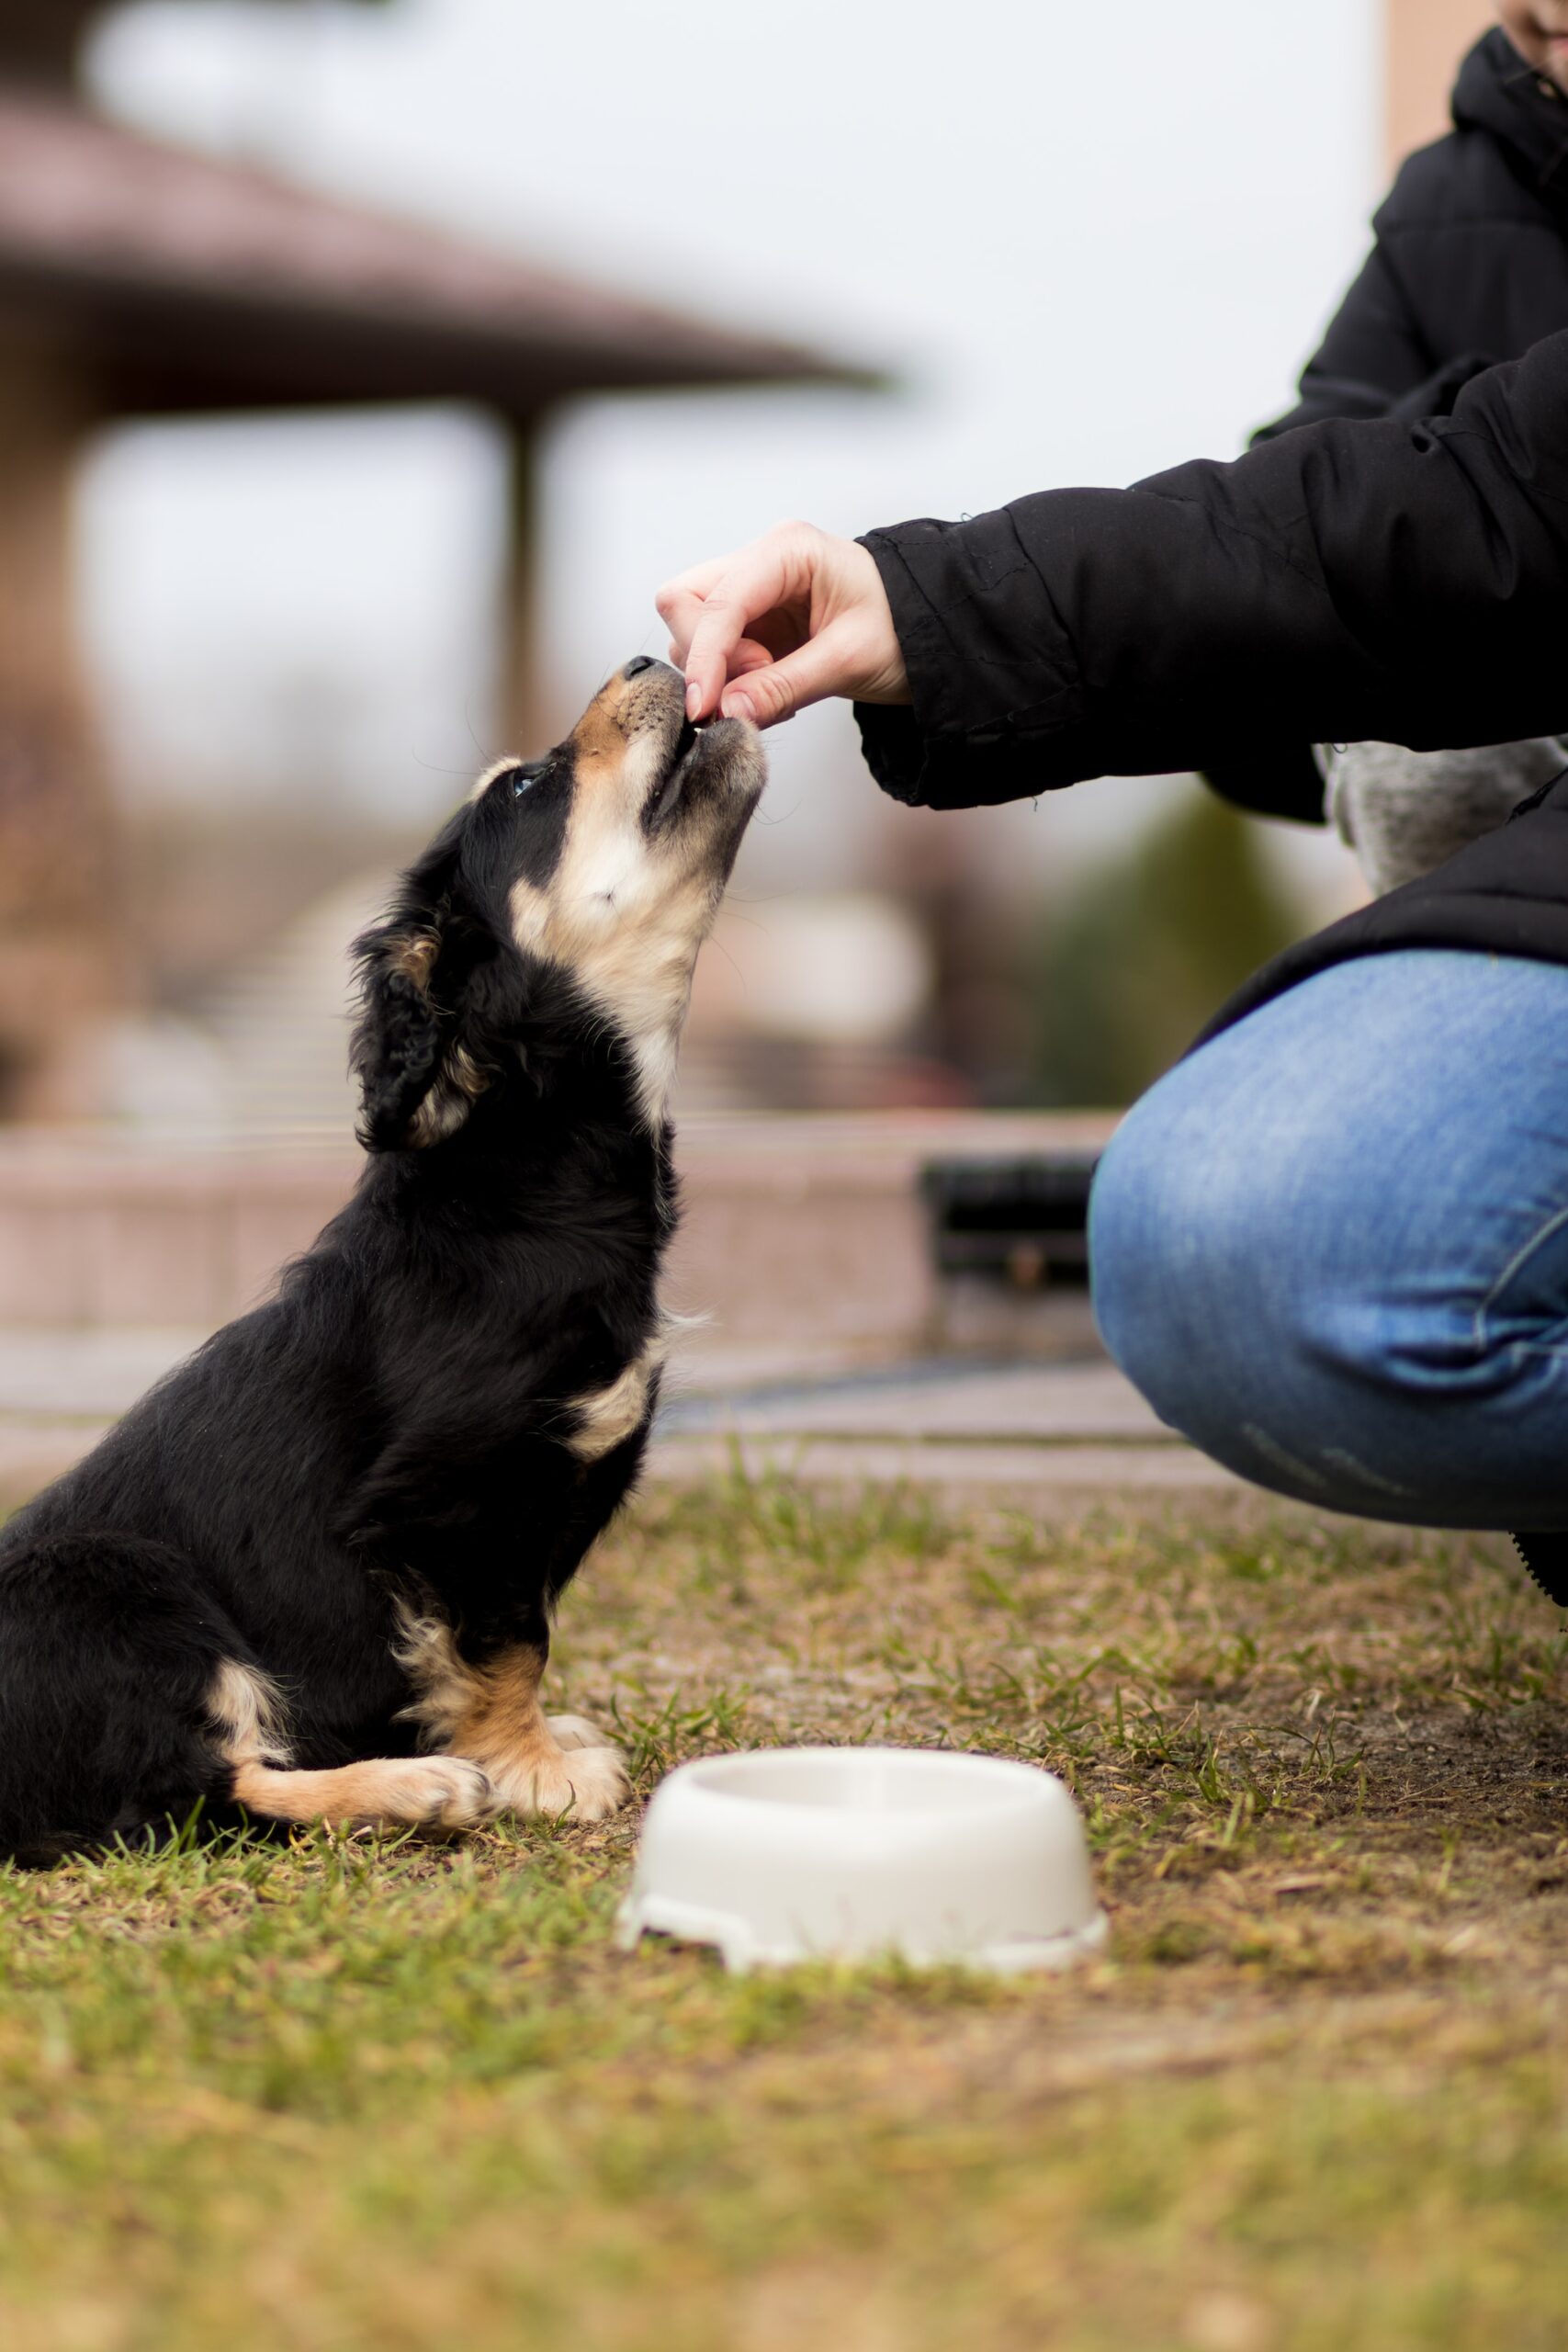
190 283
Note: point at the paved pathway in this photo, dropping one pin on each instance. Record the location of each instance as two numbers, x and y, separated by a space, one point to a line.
954 1423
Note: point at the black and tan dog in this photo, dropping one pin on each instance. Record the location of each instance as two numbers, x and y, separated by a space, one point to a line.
310 1576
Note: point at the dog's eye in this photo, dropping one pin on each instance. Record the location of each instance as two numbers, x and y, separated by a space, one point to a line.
524 779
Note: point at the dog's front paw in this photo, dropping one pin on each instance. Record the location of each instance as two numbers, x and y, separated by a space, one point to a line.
589 1783
600 1782
436 1792
575 1731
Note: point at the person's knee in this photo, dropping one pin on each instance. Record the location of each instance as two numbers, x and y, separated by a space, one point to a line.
1312 1268
1165 1229
1225 1280
1202 1287
1124 1249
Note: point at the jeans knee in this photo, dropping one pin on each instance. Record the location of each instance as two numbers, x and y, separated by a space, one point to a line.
1119 1224
1318 1273
1196 1286
1144 1304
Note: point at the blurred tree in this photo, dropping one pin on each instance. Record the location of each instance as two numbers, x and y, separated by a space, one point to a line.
1148 949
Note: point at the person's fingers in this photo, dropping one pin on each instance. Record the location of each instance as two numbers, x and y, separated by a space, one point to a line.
811 672
750 655
753 585
779 632
743 626
775 636
680 618
746 657
680 603
770 584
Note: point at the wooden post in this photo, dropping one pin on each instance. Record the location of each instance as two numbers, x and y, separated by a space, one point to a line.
40 39
529 722
1424 41
60 942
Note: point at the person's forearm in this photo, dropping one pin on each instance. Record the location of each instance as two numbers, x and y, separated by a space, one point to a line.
1346 581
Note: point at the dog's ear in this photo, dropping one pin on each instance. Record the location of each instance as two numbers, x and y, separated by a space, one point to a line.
403 1036
420 1071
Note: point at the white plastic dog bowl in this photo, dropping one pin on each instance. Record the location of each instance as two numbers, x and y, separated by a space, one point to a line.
849 1854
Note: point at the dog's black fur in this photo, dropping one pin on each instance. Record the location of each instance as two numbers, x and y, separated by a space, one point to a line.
395 1426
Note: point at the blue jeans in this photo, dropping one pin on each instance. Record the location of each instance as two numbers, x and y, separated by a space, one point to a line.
1331 1248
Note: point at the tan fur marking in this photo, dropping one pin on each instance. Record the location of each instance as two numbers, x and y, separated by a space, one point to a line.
607 1419
626 916
602 733
441 1791
248 1714
459 1082
492 1715
465 1073
443 1683
415 956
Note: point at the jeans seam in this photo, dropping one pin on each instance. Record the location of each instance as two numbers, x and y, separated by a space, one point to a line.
1555 1348
1521 1257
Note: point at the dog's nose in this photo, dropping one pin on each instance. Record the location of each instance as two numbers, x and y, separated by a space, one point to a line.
638 663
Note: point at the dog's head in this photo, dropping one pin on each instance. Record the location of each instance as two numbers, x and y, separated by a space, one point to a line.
591 877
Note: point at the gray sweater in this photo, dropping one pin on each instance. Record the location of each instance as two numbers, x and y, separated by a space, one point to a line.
1404 812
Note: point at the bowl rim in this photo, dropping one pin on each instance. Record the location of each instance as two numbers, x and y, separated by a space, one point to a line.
1014 1784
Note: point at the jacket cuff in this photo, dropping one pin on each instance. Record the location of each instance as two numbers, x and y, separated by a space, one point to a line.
893 745
970 734
949 771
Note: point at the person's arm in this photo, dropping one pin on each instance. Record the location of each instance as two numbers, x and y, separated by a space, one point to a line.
1347 580
1406 584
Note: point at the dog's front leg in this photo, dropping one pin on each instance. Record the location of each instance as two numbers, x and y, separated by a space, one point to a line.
387 1791
489 1714
534 1763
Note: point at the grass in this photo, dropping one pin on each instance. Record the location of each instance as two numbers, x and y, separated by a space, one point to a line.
354 2094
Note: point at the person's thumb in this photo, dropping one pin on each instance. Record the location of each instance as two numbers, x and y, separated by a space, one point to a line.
808 675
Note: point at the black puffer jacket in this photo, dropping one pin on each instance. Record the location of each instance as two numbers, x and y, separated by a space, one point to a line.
1469 269
1470 266
1344 581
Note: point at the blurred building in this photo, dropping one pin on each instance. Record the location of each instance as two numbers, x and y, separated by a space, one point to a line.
1426 39
141 280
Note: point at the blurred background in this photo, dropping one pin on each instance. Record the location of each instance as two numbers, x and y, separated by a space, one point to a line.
366 364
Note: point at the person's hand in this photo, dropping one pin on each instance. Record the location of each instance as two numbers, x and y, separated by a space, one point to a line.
794 616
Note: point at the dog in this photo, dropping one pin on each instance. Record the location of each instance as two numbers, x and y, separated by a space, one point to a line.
311 1577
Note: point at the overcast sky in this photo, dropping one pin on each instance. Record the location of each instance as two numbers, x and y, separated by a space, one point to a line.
1092 242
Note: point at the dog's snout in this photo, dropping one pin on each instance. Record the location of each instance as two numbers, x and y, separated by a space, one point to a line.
644 692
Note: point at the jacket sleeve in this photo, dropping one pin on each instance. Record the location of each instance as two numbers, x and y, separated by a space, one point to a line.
1344 581
1371 356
